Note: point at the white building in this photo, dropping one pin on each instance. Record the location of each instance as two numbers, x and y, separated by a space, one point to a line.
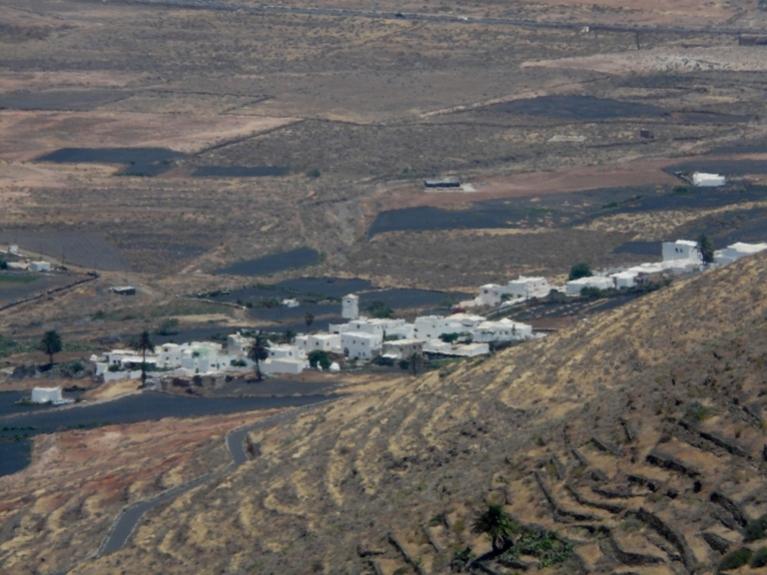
528 287
681 250
382 327
403 348
238 344
40 266
490 294
573 288
283 365
735 251
361 345
50 395
625 279
501 331
705 180
439 347
290 302
286 351
350 306
433 326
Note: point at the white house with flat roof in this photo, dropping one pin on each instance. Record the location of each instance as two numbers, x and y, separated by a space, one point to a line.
48 395
40 266
528 287
433 326
439 347
738 250
327 342
706 180
403 348
501 331
625 279
574 288
361 345
681 250
490 294
283 365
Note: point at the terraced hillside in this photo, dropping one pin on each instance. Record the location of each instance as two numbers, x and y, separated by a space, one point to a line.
632 443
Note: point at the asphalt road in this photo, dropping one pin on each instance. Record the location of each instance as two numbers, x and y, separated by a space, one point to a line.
130 517
222 6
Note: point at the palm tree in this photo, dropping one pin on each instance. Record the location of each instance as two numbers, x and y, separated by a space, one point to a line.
51 344
259 351
496 524
144 344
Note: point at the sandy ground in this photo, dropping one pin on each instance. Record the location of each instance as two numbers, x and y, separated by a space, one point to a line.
667 60
31 134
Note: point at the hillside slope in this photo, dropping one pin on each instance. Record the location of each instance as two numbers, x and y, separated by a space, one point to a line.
638 436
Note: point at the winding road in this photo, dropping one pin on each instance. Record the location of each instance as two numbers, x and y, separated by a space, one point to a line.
130 517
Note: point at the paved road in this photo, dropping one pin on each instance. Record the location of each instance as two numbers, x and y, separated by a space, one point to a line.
223 6
130 517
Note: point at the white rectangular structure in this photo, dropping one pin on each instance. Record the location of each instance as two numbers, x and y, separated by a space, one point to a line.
624 280
40 266
283 365
706 180
350 306
361 345
501 331
573 288
528 287
403 348
50 395
439 347
681 250
738 250
490 294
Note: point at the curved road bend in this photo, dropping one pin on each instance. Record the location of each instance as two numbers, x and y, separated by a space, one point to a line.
224 6
130 517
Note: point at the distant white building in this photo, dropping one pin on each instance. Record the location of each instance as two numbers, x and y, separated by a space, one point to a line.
290 302
283 365
439 347
528 287
350 306
738 250
574 288
490 294
706 180
40 266
13 249
403 348
327 342
48 395
383 327
286 351
501 331
361 345
681 250
625 279
433 326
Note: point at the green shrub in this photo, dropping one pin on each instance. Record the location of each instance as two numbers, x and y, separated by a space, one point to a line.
757 529
319 358
735 559
760 558
580 270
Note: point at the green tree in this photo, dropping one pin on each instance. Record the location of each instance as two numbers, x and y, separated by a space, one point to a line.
3 263
580 270
309 318
321 358
50 344
290 336
380 310
144 344
259 351
496 524
706 249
